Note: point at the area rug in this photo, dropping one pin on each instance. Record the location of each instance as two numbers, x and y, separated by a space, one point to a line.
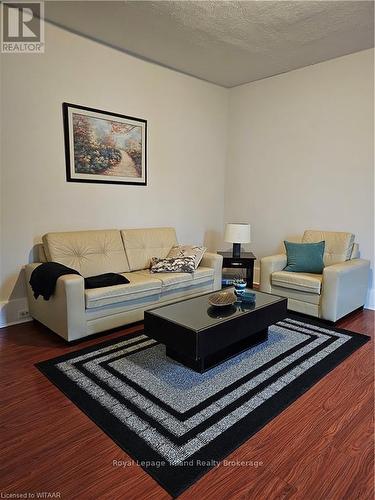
176 423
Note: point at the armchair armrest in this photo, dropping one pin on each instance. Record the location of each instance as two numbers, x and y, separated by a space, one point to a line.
269 265
64 312
215 261
344 288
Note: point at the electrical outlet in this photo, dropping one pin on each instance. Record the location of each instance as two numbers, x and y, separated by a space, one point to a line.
23 314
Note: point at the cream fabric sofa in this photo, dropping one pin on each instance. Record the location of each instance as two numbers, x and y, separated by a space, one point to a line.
73 312
341 288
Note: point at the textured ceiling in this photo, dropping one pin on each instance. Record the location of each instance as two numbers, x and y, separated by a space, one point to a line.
228 43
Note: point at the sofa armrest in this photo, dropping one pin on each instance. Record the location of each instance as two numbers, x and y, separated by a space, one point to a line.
344 288
64 312
269 265
215 261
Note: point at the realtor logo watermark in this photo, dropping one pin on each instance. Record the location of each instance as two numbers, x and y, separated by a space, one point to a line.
22 27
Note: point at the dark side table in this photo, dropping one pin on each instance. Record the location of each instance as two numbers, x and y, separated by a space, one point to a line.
245 261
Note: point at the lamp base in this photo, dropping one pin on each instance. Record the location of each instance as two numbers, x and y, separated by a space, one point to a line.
236 250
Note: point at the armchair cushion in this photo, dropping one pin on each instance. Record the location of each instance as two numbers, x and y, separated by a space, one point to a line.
338 245
304 282
304 257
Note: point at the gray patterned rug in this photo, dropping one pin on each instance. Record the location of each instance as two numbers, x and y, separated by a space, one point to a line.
177 423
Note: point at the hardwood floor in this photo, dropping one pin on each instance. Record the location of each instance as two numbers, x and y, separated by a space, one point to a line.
321 447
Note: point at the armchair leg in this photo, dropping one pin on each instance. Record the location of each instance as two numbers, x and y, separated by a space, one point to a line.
352 313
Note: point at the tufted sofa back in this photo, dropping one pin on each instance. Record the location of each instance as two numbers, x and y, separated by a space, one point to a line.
338 245
88 252
109 250
142 244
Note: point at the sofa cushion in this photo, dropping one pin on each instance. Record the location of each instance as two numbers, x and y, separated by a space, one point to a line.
88 252
139 286
168 279
203 272
338 245
305 282
142 244
181 280
297 295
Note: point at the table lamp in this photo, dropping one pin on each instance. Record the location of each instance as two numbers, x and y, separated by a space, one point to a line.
237 234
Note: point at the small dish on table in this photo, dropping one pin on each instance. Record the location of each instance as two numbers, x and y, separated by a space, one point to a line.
222 299
246 296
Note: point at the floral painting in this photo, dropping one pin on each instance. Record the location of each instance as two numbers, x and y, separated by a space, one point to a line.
104 147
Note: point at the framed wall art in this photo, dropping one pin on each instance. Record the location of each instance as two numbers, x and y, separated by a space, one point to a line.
104 147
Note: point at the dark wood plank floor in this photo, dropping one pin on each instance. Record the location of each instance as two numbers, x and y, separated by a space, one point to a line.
321 447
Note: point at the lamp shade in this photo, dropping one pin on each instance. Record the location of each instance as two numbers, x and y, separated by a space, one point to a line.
237 233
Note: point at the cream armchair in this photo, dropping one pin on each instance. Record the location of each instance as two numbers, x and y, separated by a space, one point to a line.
341 288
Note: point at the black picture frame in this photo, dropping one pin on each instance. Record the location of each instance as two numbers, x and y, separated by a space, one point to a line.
99 178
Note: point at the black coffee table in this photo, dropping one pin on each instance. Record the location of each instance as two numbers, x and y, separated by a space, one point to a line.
200 336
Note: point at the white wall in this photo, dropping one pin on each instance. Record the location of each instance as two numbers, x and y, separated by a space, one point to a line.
300 153
297 148
186 153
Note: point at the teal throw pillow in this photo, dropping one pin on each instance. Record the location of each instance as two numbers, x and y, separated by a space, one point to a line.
304 257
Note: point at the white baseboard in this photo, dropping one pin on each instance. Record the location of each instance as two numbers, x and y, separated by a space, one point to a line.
13 312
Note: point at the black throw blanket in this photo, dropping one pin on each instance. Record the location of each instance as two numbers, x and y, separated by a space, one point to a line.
44 277
107 279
